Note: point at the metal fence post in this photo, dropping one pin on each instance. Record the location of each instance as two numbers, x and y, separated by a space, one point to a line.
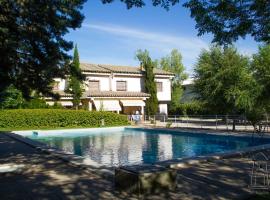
201 121
226 122
175 121
245 124
216 123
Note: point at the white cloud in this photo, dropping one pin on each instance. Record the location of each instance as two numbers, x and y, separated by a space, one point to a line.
130 39
187 42
159 44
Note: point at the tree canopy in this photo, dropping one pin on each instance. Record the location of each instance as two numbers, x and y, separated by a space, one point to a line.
261 71
33 50
224 81
149 81
227 20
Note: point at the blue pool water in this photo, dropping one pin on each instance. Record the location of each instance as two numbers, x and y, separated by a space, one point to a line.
117 147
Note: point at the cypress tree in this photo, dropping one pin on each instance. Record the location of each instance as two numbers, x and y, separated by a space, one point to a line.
149 82
75 80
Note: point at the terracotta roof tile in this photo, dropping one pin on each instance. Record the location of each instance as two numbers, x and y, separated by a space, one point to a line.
93 68
102 68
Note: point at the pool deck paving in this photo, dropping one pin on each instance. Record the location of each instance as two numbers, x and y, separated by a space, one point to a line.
38 175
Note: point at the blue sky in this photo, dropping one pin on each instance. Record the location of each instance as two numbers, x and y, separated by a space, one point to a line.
111 34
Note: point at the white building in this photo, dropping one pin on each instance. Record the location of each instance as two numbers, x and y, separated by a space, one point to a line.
189 93
116 88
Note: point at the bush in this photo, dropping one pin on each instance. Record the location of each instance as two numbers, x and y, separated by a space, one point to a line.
11 98
56 118
192 108
35 103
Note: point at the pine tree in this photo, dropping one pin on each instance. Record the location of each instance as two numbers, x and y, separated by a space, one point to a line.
149 81
75 80
33 49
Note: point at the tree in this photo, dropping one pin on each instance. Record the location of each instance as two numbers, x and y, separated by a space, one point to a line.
261 71
224 81
11 98
261 68
33 50
173 63
75 80
149 81
227 20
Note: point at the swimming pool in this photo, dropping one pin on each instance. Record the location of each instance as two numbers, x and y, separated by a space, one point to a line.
128 146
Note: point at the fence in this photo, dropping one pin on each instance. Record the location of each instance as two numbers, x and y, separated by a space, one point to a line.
216 122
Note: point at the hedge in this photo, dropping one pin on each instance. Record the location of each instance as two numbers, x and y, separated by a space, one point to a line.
190 108
56 118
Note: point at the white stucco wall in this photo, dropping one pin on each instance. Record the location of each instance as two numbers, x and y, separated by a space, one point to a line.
163 108
62 83
133 83
165 95
104 82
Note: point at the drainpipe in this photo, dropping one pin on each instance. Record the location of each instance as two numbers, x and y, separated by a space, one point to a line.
110 81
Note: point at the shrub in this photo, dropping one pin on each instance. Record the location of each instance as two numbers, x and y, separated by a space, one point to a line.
35 103
191 108
11 98
56 118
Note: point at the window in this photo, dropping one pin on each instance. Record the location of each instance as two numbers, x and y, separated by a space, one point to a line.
94 85
56 85
121 85
159 86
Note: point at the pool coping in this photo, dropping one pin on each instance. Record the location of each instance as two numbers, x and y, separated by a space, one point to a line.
72 159
205 131
108 172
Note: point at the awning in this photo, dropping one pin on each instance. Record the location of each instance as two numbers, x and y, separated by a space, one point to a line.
107 105
133 102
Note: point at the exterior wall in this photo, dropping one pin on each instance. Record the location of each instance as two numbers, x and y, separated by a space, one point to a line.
165 95
62 83
133 83
104 82
189 93
163 108
63 103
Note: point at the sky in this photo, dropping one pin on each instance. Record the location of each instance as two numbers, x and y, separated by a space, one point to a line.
111 34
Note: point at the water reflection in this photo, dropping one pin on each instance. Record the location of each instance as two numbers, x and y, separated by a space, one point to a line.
135 147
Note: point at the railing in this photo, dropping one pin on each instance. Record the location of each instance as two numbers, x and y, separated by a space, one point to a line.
216 122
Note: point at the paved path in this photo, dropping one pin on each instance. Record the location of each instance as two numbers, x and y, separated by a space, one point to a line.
45 177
